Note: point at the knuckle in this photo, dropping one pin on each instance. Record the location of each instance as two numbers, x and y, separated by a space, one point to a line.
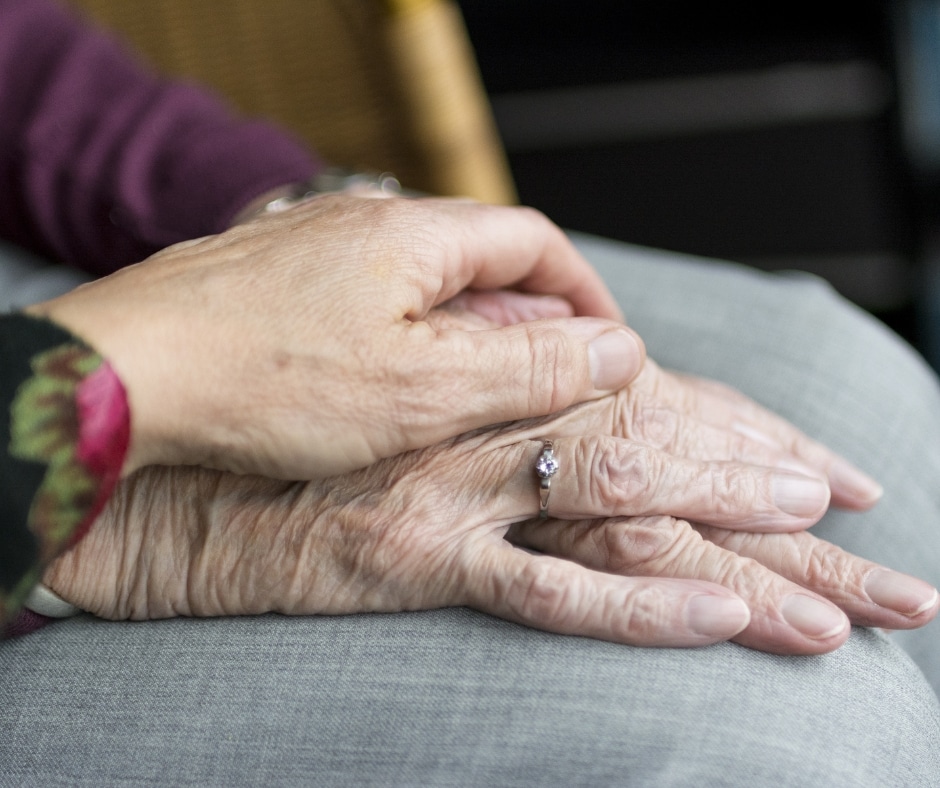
733 490
724 560
826 566
626 402
646 613
621 476
675 549
635 544
539 596
743 575
557 374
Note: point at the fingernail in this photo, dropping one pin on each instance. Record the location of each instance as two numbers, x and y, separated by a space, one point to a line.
717 616
813 618
848 479
615 358
801 496
901 593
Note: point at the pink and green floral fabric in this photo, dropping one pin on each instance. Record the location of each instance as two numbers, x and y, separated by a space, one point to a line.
64 433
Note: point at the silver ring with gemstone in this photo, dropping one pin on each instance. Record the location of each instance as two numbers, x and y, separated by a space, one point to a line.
546 466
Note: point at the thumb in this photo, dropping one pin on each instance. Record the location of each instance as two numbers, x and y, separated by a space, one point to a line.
543 366
519 371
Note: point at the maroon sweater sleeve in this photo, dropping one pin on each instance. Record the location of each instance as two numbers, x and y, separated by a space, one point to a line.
102 162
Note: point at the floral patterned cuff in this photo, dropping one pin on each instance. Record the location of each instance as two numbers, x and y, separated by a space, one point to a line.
64 434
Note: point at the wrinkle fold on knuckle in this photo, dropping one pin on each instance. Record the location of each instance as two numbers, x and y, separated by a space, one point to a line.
745 576
674 551
826 566
626 403
539 594
737 541
633 545
622 476
646 612
557 374
733 490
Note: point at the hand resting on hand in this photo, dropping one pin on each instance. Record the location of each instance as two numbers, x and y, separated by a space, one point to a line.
678 519
296 345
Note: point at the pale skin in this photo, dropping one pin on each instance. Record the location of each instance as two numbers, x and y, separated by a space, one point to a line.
444 526
239 352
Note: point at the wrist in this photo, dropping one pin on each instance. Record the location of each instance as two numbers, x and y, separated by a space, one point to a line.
64 439
101 399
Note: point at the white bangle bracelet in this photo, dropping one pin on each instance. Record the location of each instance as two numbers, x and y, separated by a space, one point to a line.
331 181
46 602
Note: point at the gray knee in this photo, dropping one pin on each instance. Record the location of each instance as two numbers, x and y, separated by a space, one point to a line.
26 279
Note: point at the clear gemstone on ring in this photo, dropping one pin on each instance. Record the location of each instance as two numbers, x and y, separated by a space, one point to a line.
546 466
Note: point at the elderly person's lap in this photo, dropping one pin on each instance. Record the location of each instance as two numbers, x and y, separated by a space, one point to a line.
794 346
449 697
454 697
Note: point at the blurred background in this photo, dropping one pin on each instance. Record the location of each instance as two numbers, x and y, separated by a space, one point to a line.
784 135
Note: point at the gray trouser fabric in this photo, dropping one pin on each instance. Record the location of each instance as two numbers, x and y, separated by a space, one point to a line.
26 280
454 697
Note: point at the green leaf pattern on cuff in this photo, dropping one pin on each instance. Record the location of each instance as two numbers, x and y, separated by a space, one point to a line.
45 429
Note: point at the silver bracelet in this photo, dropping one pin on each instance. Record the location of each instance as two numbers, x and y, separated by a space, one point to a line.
44 601
334 180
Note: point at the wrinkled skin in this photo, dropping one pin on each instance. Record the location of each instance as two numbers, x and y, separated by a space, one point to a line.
446 526
296 345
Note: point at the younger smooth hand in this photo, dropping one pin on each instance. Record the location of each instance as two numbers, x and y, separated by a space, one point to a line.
296 345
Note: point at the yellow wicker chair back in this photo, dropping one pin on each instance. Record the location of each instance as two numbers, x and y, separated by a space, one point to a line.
370 84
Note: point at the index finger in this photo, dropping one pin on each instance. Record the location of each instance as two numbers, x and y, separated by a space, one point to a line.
514 247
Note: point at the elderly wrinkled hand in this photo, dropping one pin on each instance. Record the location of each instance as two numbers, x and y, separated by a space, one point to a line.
296 345
429 529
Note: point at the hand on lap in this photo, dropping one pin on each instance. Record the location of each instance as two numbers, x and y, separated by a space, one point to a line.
616 559
802 592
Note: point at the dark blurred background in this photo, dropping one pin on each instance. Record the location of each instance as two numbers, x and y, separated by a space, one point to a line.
784 135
